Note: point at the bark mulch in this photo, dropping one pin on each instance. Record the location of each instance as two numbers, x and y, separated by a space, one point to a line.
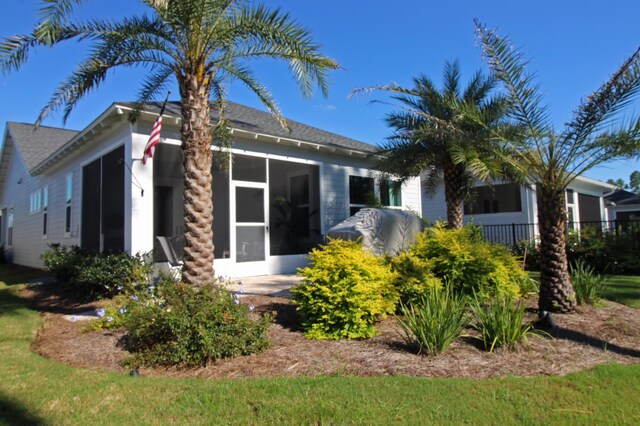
586 338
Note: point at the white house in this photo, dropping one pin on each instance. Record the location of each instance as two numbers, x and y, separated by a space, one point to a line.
509 211
281 193
623 205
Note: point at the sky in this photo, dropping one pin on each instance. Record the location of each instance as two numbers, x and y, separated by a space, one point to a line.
574 46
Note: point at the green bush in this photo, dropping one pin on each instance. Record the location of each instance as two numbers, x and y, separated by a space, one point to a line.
462 259
432 323
178 324
344 290
63 262
587 284
501 323
614 252
95 275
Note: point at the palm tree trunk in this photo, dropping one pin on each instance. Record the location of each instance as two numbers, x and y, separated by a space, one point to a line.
454 194
198 199
556 291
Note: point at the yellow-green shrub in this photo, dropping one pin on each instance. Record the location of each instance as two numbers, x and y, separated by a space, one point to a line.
344 290
460 258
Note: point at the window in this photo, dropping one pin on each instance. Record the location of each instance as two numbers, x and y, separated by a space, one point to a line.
35 201
69 197
45 209
390 193
494 199
361 193
10 228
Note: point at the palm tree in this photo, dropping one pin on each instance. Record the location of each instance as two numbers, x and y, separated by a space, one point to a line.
203 44
445 134
554 159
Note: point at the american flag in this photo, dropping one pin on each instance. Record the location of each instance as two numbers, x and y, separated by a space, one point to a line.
154 138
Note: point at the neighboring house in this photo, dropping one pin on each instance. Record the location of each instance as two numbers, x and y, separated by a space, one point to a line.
623 205
499 206
279 197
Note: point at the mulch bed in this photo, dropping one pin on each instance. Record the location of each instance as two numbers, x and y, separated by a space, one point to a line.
586 338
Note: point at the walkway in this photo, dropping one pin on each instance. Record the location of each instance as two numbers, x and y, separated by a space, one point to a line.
270 285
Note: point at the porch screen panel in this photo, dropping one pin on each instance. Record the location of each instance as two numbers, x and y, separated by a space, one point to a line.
294 205
221 217
589 208
113 200
91 201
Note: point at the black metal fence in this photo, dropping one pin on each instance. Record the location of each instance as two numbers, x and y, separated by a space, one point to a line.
512 234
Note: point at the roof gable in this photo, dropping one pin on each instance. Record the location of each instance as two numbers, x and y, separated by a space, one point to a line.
36 144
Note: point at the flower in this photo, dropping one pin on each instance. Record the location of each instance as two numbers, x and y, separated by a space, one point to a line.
109 319
134 297
240 290
251 307
123 310
151 287
169 309
101 312
236 301
119 288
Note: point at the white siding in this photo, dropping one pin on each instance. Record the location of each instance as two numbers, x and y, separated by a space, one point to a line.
28 240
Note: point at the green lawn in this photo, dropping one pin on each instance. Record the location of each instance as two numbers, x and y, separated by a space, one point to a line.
620 288
624 289
34 390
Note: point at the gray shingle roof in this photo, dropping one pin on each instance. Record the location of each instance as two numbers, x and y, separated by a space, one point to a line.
257 121
37 144
623 198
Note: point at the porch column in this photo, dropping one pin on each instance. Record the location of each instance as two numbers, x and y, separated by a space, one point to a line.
138 202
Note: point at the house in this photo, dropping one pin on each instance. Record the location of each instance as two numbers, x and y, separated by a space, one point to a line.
509 212
277 199
623 205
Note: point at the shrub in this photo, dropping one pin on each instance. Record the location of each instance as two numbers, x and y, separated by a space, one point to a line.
179 324
501 323
62 262
462 259
587 284
432 323
95 275
108 274
344 290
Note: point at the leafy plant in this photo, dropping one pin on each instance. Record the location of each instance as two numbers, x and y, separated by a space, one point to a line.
344 290
95 275
461 258
432 323
587 284
501 323
180 324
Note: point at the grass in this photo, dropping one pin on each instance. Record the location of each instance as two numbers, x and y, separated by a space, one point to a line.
623 289
34 390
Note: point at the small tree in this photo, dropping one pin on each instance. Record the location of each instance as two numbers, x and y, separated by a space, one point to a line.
446 134
554 159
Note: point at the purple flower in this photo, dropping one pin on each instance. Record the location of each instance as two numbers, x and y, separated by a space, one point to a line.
240 290
236 301
123 310
152 287
100 312
120 288
134 297
251 307
109 319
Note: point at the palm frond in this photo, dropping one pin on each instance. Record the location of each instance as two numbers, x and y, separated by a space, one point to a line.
509 66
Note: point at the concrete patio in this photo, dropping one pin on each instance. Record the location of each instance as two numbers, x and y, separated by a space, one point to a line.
269 285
